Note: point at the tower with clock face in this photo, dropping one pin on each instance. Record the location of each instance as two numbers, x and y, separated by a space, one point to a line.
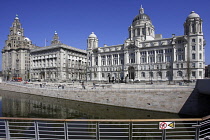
15 54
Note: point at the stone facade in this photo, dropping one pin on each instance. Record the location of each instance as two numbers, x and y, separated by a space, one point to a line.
146 56
58 62
15 54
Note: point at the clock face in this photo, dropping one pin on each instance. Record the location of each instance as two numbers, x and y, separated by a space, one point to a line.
18 33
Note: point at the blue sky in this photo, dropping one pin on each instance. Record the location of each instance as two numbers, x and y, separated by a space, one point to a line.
74 20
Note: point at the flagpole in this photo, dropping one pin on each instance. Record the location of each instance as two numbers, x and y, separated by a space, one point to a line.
45 42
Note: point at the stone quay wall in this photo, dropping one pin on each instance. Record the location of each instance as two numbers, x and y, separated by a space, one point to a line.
166 100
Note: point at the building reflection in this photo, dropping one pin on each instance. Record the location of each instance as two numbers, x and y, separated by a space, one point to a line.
25 105
0 106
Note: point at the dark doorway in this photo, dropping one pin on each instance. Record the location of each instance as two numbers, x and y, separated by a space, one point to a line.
131 72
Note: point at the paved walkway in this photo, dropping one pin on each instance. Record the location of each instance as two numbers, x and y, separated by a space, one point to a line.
104 86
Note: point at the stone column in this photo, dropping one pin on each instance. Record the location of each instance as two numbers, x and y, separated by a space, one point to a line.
126 57
137 57
92 60
118 59
164 55
131 31
191 28
201 27
197 27
105 60
174 53
112 60
185 53
99 67
99 60
155 57
147 57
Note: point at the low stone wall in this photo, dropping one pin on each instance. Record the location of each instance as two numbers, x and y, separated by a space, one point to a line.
166 100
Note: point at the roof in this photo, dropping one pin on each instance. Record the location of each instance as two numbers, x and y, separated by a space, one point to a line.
58 46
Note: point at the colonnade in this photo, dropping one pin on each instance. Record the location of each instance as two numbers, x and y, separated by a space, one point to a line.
158 56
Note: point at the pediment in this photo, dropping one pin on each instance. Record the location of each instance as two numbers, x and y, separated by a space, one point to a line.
131 47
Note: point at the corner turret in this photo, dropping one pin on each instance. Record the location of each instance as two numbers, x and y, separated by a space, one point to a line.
92 41
193 24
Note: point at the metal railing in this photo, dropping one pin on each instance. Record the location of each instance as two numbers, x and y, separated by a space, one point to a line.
99 129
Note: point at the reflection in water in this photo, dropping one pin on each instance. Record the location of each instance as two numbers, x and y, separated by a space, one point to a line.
0 106
25 105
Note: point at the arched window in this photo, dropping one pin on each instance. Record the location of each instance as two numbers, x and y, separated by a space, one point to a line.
9 45
179 73
143 74
159 74
151 74
167 73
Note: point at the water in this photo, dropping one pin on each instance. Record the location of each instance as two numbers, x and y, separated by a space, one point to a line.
14 104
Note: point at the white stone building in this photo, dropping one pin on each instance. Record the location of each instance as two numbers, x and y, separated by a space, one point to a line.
58 62
15 54
146 56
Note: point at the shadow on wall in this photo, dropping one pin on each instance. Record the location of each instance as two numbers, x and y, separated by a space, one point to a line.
198 103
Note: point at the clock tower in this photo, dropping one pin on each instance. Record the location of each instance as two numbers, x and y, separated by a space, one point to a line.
16 28
15 54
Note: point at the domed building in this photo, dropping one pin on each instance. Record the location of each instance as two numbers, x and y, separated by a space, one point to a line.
146 56
57 62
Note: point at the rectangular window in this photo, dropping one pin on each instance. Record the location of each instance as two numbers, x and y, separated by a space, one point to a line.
121 61
180 57
160 59
152 59
193 48
103 62
115 55
193 56
200 65
143 60
132 61
143 74
180 50
138 32
168 58
200 73
108 56
115 62
193 65
179 41
109 62
200 56
193 73
143 31
200 40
